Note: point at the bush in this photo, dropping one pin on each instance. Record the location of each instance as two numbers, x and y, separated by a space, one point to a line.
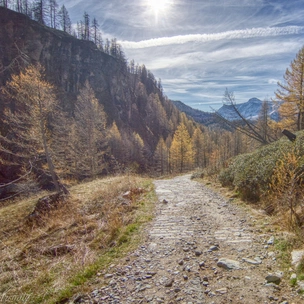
226 177
251 173
197 174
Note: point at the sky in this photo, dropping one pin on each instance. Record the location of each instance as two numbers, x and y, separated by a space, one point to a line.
198 48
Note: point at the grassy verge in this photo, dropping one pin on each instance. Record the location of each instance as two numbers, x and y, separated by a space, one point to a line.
60 257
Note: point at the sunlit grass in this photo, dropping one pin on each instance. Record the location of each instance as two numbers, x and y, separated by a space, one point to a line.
93 227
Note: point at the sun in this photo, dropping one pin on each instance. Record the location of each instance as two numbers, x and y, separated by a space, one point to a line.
158 5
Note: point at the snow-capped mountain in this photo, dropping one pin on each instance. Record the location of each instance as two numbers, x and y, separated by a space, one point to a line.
250 110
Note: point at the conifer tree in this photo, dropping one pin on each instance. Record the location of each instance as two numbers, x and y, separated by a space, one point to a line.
292 90
161 158
39 11
28 119
95 31
53 7
181 157
64 20
86 24
90 134
137 150
198 147
115 141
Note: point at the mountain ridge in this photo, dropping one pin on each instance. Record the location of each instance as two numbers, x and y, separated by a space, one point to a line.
249 110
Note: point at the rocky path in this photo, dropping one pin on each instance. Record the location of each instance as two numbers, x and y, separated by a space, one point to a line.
200 248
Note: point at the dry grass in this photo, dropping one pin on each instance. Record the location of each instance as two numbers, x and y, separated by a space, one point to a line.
49 261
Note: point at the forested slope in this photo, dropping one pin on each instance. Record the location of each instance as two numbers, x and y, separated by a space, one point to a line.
137 112
107 115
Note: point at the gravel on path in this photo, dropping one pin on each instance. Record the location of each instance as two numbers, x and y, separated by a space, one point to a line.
200 248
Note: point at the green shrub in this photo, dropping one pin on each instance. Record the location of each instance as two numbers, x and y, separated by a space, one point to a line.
226 177
251 173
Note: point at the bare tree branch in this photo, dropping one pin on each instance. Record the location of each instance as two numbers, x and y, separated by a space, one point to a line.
252 131
19 178
21 56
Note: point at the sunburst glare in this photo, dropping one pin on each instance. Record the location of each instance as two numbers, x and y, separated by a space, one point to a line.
158 6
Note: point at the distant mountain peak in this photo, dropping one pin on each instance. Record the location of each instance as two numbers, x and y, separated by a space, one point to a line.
249 110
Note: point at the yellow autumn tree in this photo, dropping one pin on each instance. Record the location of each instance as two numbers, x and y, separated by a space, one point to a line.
292 91
115 141
287 113
198 148
91 141
181 156
27 137
161 157
134 152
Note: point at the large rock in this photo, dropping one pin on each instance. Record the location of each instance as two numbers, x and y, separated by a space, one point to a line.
273 279
296 257
228 264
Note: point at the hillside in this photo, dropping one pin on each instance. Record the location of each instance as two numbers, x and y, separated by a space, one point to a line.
204 118
69 63
131 98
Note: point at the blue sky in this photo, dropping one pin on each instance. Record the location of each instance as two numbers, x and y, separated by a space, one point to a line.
201 47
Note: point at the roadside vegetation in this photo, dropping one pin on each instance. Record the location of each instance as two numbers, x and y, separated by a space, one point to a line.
272 177
50 259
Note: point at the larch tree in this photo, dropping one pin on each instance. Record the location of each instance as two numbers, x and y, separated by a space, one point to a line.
18 6
95 31
161 157
181 157
86 19
4 3
64 20
287 112
27 119
53 8
40 11
26 7
198 148
115 141
89 130
292 91
156 114
137 150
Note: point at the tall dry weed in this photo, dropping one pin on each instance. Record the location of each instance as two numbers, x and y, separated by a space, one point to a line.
39 260
286 190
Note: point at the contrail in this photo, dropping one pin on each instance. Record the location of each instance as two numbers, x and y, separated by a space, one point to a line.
238 34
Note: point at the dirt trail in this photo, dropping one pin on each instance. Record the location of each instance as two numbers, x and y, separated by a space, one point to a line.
195 236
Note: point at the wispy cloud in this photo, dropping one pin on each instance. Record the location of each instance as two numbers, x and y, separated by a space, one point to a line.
198 48
237 34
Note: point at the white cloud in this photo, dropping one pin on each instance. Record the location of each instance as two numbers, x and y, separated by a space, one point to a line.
238 34
273 81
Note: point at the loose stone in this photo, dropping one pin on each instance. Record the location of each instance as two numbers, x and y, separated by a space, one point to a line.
213 248
169 283
270 241
228 264
273 279
198 253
